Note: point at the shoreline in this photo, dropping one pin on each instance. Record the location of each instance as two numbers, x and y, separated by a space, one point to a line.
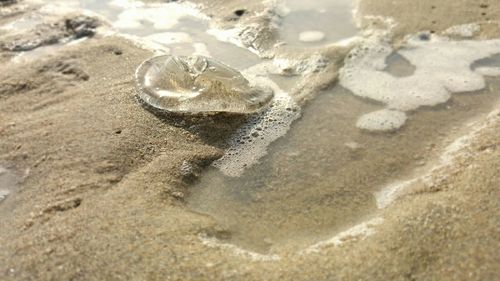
102 191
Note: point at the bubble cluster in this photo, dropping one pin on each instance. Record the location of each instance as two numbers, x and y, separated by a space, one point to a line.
251 140
382 120
442 67
198 84
311 36
286 66
464 30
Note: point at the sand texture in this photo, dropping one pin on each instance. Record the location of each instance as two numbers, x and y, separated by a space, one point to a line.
103 188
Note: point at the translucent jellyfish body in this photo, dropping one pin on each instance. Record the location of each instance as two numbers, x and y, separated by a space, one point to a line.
197 84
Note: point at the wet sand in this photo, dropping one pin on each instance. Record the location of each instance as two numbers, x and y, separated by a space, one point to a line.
102 193
435 17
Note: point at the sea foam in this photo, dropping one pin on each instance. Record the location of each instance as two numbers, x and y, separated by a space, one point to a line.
442 67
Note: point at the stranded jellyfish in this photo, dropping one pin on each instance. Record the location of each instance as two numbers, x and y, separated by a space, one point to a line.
197 84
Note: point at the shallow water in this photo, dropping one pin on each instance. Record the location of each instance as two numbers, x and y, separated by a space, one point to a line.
177 29
228 53
322 177
333 19
398 66
181 30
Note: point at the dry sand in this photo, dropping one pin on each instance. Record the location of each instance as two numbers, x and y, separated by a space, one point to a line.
101 192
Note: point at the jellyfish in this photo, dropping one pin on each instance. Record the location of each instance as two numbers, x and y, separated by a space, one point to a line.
197 84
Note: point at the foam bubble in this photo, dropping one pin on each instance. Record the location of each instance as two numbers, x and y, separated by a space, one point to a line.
234 36
361 230
201 49
488 71
382 120
286 66
3 194
442 67
311 36
126 4
250 141
464 30
388 194
213 242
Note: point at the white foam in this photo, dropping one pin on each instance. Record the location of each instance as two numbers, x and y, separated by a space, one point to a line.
464 30
287 66
231 35
391 192
311 36
3 194
442 66
361 230
127 4
244 34
347 41
213 242
8 182
201 49
250 141
488 70
382 120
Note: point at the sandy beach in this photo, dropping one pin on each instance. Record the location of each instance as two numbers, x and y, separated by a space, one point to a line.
97 186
